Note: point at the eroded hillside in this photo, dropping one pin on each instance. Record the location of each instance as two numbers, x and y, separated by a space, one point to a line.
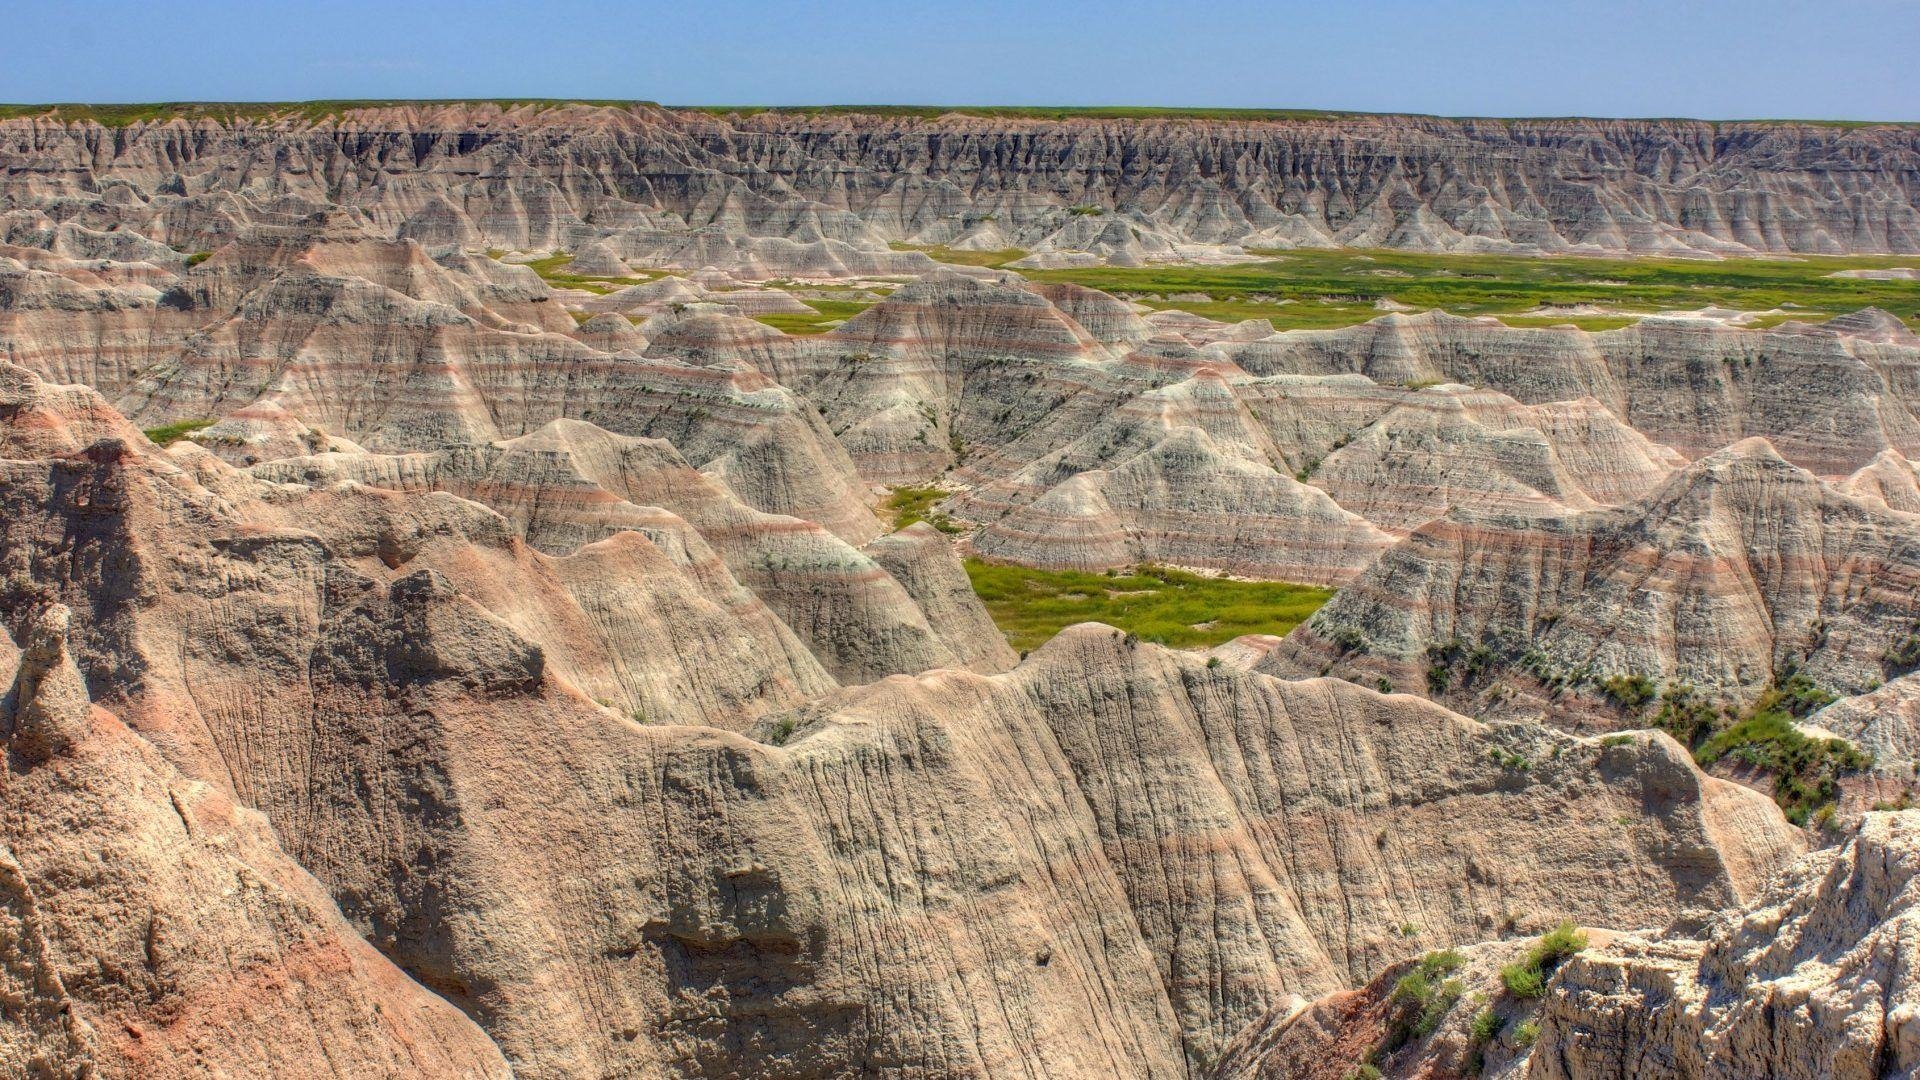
492 591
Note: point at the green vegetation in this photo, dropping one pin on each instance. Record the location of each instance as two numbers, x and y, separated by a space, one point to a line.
1630 692
957 257
1422 998
1806 771
1685 715
826 315
1526 1034
1527 978
1316 288
915 504
1171 607
168 434
198 257
1486 1026
552 270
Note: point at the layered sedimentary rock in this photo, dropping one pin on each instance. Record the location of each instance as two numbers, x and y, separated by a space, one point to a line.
155 929
1813 979
571 484
875 887
797 192
1829 396
1736 571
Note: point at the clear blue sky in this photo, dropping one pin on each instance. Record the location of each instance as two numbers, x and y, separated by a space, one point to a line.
1857 59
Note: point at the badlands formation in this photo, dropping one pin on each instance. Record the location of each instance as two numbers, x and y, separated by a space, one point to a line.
423 655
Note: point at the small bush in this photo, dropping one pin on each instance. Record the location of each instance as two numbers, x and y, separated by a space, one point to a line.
1523 980
1422 997
1526 1034
1630 692
1527 978
1486 1026
782 731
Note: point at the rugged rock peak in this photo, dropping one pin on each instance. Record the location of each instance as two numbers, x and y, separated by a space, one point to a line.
1450 446
1828 397
1815 978
923 562
949 318
47 711
41 419
1890 479
1736 569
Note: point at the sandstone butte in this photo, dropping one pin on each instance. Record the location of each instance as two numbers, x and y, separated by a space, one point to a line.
488 676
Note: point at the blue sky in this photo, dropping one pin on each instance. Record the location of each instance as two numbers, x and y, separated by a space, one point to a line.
1857 59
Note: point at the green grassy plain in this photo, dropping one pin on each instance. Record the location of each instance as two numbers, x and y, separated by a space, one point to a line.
1325 288
1159 604
827 314
956 257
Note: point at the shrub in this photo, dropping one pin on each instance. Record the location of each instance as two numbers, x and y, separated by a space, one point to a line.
1212 662
1422 997
1630 692
1526 1034
1486 1026
1527 977
1522 980
1684 715
782 731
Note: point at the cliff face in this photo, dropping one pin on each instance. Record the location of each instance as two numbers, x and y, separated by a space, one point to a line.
816 191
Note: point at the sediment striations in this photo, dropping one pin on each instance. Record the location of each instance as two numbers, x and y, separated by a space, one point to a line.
790 192
1738 570
506 671
883 871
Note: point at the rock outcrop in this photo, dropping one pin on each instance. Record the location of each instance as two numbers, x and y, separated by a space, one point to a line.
1813 979
154 929
804 193
1738 570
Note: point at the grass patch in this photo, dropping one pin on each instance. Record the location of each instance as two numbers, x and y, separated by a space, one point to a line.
956 257
1159 604
826 315
168 434
553 271
1304 289
1421 999
911 505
